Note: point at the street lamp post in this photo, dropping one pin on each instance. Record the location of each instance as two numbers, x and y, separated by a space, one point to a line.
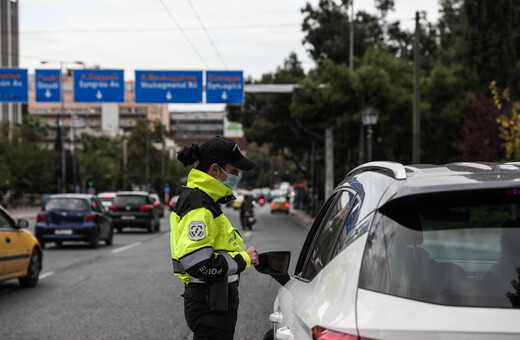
63 187
369 118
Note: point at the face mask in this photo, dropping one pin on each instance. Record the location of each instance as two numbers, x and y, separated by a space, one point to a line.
231 181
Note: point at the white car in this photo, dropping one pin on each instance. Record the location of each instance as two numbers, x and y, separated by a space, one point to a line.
107 199
409 252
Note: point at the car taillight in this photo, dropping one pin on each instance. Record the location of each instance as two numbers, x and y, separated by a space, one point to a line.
272 204
94 206
90 218
145 208
40 218
287 205
250 214
261 200
171 204
112 208
155 204
320 333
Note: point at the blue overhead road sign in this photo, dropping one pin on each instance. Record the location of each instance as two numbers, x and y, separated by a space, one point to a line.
47 84
168 86
99 86
225 87
13 85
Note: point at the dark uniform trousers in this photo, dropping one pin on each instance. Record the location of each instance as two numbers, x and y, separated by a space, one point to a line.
205 323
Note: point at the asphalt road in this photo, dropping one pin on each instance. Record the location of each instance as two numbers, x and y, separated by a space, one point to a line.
128 291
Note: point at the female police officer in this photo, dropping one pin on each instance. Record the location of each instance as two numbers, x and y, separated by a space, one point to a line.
207 251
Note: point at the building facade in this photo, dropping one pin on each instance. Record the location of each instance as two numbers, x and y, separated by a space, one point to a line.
9 54
198 127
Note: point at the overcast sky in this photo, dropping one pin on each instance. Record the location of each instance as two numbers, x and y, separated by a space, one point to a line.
253 36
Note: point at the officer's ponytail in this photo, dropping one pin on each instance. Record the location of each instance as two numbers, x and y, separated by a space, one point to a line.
189 155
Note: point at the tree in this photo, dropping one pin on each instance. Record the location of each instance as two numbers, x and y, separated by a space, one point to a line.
508 105
32 129
478 138
99 159
141 138
30 168
267 118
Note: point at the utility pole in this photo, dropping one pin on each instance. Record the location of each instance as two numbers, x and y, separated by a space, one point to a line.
147 157
314 199
74 161
351 41
62 132
416 144
60 127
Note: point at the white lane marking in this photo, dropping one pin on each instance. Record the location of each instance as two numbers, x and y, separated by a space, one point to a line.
46 275
125 247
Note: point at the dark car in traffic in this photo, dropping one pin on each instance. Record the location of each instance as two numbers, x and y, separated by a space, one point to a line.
158 204
134 209
73 217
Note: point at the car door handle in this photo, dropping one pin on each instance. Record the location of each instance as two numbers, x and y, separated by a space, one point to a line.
284 333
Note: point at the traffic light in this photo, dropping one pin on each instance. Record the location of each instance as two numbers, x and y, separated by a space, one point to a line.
90 182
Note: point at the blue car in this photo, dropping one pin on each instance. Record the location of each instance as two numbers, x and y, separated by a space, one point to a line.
73 217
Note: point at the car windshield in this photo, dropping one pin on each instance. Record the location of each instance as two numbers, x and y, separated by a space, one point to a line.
66 204
130 200
454 254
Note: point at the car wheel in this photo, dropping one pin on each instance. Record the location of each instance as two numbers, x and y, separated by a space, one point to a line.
42 243
33 272
269 335
150 227
119 230
158 226
110 238
95 240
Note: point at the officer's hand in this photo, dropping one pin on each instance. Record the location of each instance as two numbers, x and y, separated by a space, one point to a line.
253 254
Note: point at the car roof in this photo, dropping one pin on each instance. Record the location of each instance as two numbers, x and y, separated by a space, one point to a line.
452 176
71 195
390 180
113 193
123 193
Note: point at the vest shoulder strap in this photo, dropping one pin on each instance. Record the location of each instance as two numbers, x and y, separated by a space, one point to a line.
194 198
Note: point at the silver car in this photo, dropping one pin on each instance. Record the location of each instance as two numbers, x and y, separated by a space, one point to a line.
409 252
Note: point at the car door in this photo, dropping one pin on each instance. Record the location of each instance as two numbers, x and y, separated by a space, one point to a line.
14 249
101 217
302 297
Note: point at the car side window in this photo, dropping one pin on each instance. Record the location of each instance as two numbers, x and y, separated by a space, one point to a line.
5 222
97 206
321 250
348 226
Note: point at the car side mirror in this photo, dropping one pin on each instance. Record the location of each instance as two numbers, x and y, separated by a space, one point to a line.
22 224
275 264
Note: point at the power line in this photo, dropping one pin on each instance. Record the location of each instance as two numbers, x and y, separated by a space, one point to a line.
207 34
184 34
157 29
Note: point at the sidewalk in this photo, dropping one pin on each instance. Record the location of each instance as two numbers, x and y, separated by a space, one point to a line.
24 213
302 217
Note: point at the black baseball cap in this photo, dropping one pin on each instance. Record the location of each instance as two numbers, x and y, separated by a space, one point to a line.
221 150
